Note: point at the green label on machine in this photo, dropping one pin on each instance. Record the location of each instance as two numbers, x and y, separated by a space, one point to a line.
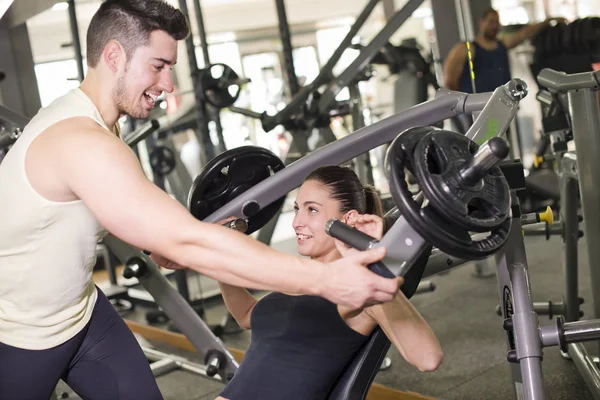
492 131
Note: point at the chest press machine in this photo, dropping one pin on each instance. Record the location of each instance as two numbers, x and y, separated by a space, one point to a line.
481 201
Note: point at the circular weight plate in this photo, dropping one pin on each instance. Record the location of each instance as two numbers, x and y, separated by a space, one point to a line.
449 238
220 85
162 160
230 174
479 207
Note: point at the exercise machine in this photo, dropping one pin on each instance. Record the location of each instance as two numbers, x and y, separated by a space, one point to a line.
256 204
429 154
579 179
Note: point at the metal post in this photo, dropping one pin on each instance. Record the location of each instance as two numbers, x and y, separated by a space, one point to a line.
212 111
202 133
517 307
270 122
362 163
467 34
585 119
286 42
76 41
367 54
569 189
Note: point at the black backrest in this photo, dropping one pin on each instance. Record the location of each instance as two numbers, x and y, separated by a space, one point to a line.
355 381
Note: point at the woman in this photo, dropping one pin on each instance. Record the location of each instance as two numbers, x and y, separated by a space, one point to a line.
300 344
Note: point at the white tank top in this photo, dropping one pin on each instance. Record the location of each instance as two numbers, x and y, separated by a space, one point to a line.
47 248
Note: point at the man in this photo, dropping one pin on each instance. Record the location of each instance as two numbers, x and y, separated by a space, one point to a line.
69 179
489 54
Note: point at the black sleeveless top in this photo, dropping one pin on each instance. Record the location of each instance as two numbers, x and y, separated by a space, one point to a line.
299 347
491 69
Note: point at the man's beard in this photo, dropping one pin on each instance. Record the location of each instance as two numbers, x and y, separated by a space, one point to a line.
122 100
490 35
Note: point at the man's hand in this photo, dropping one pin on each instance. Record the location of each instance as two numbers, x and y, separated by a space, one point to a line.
349 283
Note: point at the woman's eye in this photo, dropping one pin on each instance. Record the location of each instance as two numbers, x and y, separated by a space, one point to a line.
311 209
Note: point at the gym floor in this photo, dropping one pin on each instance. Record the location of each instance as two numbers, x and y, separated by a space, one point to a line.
462 313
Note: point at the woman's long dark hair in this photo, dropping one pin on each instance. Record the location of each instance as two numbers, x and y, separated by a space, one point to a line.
345 187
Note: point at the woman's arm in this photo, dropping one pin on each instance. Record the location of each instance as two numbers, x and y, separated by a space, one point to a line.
409 332
239 302
402 323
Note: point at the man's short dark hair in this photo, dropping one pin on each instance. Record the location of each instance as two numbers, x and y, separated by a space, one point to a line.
487 12
130 22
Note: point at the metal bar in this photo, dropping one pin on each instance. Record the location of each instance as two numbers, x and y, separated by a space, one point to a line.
563 82
141 133
499 111
76 41
4 6
467 33
342 150
440 262
174 305
213 112
202 133
163 367
569 190
286 42
362 162
367 54
516 304
176 362
585 119
581 331
9 117
246 112
587 368
8 138
270 122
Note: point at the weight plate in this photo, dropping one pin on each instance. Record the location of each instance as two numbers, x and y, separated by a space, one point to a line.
162 160
220 85
230 174
450 238
479 207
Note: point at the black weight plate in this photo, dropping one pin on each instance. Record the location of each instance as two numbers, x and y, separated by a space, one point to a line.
220 85
480 207
230 174
451 239
162 160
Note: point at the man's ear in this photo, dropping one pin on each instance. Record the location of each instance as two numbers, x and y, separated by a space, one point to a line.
113 55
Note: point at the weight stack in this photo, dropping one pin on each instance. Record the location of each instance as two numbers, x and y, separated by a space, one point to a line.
571 48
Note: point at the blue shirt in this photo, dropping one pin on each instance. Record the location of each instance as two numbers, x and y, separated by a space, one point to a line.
491 69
